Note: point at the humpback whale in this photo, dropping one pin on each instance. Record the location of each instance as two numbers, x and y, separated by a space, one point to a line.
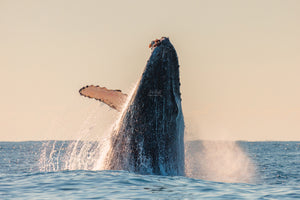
149 137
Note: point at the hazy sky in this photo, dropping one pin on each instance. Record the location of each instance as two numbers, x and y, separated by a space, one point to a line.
240 64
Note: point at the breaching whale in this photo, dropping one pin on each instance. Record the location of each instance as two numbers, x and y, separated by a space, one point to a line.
149 137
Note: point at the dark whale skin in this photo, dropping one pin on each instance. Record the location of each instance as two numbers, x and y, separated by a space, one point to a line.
149 138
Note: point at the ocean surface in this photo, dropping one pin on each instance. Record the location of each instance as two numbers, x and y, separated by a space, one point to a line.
215 170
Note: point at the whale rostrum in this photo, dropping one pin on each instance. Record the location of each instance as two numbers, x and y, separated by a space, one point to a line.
149 137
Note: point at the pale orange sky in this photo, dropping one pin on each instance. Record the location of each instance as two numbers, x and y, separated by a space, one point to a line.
240 64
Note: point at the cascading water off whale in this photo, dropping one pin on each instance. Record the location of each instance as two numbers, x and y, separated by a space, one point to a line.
149 137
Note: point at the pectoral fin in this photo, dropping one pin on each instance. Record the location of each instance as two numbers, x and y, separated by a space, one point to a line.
113 98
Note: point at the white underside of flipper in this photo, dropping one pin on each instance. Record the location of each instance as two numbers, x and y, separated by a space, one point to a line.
113 98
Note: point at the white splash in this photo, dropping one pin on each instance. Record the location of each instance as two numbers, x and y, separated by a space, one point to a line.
81 154
222 161
213 160
84 153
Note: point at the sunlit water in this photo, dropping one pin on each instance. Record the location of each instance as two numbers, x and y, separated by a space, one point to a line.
248 170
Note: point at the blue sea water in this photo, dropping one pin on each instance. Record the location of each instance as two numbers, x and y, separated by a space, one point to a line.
275 173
